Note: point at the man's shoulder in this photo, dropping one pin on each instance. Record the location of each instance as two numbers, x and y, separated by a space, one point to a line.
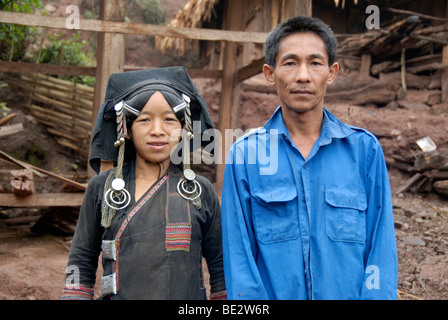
351 130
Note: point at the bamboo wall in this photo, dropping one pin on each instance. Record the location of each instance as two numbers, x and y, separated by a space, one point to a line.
64 107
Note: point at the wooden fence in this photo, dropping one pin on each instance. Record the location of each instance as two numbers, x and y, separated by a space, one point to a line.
64 107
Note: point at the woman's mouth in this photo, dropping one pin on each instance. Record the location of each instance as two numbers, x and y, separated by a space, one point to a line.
157 145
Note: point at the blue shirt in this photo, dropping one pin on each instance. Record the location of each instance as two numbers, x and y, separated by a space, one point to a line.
320 228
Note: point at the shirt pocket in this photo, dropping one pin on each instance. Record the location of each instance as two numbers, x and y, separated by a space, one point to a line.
275 214
345 215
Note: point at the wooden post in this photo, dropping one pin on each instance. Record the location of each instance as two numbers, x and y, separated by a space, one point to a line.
230 93
109 53
364 70
444 82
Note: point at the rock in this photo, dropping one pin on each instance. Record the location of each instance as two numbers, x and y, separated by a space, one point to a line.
414 240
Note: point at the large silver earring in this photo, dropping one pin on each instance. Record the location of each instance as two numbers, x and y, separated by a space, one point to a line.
188 187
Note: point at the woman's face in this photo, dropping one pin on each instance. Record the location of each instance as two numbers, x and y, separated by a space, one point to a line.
156 131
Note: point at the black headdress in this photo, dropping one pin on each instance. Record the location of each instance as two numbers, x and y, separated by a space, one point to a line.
126 86
126 95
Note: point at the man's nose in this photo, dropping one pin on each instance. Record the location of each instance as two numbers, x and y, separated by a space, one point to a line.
302 73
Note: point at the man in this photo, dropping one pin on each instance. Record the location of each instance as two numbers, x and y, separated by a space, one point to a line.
318 224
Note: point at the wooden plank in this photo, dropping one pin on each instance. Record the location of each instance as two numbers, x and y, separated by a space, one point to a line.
7 118
54 69
251 70
40 171
41 200
364 70
413 13
408 184
134 28
11 129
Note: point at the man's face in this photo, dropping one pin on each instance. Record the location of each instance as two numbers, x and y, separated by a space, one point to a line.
302 73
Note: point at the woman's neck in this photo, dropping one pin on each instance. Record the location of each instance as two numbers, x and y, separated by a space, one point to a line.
147 173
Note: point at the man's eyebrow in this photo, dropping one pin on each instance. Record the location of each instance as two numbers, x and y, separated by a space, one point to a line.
317 56
295 56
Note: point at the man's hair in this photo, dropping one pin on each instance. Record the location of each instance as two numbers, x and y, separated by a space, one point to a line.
301 25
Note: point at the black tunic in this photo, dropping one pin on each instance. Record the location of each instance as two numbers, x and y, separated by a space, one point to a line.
160 241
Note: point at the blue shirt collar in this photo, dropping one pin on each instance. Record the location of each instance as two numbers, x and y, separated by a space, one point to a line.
332 127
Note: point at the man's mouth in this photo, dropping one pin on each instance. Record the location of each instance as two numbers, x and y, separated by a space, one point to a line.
302 92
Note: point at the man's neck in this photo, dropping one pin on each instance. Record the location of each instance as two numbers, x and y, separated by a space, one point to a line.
303 127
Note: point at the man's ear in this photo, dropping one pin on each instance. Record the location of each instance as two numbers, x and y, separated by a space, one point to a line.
334 68
269 74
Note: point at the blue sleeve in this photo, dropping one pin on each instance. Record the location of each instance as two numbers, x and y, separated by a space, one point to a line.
242 277
381 266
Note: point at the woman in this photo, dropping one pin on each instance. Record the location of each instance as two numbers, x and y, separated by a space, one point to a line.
152 221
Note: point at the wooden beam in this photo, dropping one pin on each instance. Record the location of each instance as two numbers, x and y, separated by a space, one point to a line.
300 8
64 70
134 28
193 73
251 70
110 55
41 172
46 68
39 200
413 13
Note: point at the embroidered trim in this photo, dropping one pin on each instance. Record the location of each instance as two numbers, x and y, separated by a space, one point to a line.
221 295
82 292
178 237
177 234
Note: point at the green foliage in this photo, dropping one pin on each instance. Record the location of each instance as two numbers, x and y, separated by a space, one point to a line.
69 51
3 108
14 39
152 11
35 155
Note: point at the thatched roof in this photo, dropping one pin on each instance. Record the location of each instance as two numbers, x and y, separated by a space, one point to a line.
194 13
